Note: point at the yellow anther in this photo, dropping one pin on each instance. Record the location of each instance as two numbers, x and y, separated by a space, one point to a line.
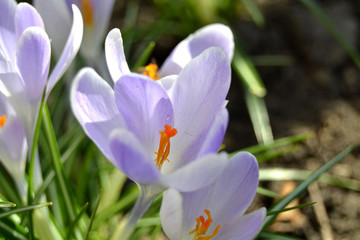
202 226
151 71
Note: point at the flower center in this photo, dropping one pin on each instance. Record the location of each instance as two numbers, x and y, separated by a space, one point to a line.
2 120
202 226
88 12
164 145
151 71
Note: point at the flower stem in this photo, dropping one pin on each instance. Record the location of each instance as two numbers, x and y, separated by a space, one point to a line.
143 202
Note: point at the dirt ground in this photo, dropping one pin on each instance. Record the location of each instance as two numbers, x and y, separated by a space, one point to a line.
319 92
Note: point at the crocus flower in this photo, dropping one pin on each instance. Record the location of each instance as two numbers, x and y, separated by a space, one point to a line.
216 212
57 16
13 145
213 35
155 136
25 59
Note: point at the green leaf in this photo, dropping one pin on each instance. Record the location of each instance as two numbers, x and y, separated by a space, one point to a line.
92 219
246 71
290 208
267 192
255 12
24 209
144 57
6 204
303 186
76 221
277 143
316 10
126 201
259 117
58 166
283 174
12 232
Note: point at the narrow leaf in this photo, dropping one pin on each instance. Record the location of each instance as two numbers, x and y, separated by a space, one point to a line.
6 204
283 174
24 209
255 12
303 186
259 117
316 10
246 71
290 208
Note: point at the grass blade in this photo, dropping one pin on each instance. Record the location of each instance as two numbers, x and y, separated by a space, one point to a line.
267 193
259 117
24 209
254 12
76 221
8 231
6 204
290 208
277 143
303 186
58 166
92 218
316 10
283 174
246 71
144 57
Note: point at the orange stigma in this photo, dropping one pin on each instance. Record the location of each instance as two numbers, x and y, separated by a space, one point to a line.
164 145
151 71
202 226
88 12
2 120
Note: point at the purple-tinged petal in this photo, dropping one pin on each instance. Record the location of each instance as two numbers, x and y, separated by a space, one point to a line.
57 20
171 214
194 204
70 50
244 227
33 59
12 140
11 84
196 174
5 64
197 96
216 133
214 35
235 188
7 29
167 82
92 99
131 158
99 132
26 16
145 106
115 56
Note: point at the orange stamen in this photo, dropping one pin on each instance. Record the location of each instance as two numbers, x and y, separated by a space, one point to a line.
202 226
164 145
2 120
88 12
151 71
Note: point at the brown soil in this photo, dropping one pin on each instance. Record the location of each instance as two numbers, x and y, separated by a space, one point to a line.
319 92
